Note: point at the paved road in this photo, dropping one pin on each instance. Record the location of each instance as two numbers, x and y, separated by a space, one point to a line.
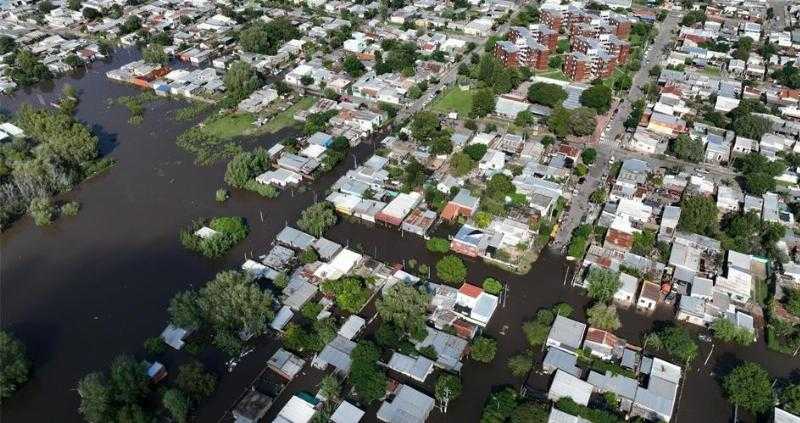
779 11
594 180
448 78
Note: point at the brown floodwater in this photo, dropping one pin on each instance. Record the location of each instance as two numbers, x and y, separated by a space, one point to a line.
93 286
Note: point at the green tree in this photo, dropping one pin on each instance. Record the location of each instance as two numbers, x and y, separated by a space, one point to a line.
330 388
677 341
603 316
524 118
483 103
451 270
536 330
531 412
266 38
353 66
500 406
240 81
425 127
790 398
42 210
128 380
559 122
437 245
195 382
177 404
492 286
728 331
448 388
245 166
184 310
751 126
74 4
520 364
550 95
95 396
483 349
155 54
685 148
698 215
749 386
476 151
582 121
317 218
367 379
483 219
14 364
597 97
589 155
350 293
643 242
793 301
233 303
404 306
602 284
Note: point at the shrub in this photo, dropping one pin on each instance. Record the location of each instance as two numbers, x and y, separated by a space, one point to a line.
42 211
483 349
155 345
221 195
264 190
492 286
70 208
231 230
437 245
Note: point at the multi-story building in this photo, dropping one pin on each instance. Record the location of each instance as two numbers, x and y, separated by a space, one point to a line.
605 43
552 19
582 67
525 49
541 33
577 66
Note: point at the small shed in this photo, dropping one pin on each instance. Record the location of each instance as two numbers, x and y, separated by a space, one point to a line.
252 407
285 364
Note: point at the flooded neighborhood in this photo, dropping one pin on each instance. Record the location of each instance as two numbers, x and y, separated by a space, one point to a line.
399 211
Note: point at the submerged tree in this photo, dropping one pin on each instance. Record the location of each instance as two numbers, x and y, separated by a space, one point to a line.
14 365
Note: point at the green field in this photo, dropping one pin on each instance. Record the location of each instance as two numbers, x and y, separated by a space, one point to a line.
229 126
453 100
285 118
554 74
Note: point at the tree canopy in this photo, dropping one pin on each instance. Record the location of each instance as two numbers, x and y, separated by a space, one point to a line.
366 377
698 215
14 364
686 148
404 306
483 349
602 284
317 218
451 270
597 97
549 95
266 37
749 386
603 316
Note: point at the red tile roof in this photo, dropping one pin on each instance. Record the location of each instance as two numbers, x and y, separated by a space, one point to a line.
470 290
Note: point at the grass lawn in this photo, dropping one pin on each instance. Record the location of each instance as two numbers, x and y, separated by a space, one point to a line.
554 74
609 82
453 100
229 126
285 118
711 71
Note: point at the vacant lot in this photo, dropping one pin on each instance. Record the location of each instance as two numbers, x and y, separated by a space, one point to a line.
453 100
